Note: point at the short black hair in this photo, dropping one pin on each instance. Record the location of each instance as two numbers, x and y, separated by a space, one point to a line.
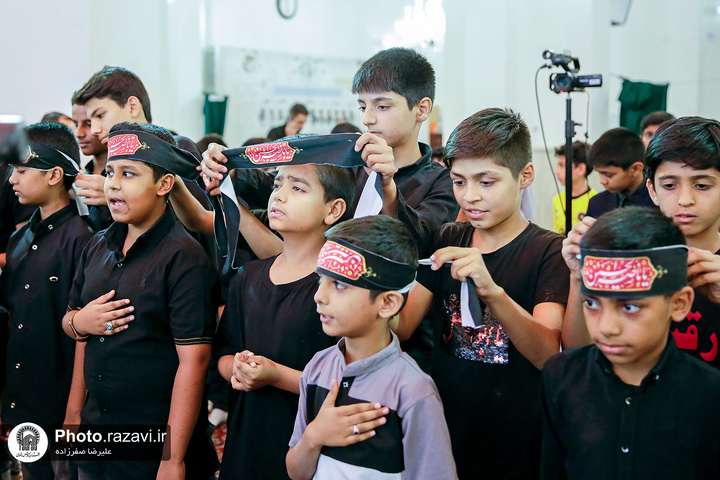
345 128
579 155
694 141
298 109
655 118
379 234
496 133
632 228
118 84
618 147
158 131
53 117
205 141
400 70
337 182
59 137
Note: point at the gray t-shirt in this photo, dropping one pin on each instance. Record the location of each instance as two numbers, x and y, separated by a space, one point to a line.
413 444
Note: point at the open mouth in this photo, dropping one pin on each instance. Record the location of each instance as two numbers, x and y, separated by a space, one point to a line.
116 203
276 212
685 218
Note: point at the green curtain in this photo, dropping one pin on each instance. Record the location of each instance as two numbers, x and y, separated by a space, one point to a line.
215 107
637 99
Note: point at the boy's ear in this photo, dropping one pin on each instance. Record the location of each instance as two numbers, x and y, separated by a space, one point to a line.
165 184
581 168
637 168
55 176
681 302
424 107
136 110
527 175
336 209
390 304
652 192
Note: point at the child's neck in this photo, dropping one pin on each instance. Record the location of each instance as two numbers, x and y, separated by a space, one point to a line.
489 240
407 153
707 240
368 345
298 258
637 183
579 187
136 230
634 373
99 162
54 205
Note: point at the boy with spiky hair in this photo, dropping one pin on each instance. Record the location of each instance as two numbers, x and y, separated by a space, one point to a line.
366 409
631 405
42 257
144 296
619 158
499 287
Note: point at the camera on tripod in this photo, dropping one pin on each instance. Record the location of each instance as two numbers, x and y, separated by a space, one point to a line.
569 81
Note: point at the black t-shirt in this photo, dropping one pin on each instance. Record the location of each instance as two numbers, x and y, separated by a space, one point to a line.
42 257
12 212
276 133
279 322
598 427
170 282
698 333
490 392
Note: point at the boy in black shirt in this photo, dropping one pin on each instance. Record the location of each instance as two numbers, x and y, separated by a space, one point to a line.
619 158
487 362
42 257
632 405
142 300
270 329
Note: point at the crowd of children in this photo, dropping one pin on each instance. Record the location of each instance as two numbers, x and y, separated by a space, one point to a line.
588 356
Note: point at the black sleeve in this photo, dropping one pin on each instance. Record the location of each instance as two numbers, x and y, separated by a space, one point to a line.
75 297
192 302
552 463
554 276
438 207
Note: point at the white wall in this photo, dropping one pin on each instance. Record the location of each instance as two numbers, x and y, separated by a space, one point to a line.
491 53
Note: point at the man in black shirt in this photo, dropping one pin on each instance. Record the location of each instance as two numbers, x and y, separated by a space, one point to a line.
631 406
619 158
296 119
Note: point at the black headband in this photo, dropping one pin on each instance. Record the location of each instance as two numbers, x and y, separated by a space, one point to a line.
44 157
335 149
356 266
146 147
634 273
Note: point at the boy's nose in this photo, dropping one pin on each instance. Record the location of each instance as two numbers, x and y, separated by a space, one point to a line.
320 295
368 118
608 325
685 198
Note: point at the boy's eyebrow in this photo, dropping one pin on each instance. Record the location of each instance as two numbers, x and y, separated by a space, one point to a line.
484 173
692 177
377 99
92 114
299 180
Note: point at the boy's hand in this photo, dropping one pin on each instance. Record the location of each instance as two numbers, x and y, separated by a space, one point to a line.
171 470
335 426
704 273
211 166
91 188
97 315
571 246
378 156
252 371
467 263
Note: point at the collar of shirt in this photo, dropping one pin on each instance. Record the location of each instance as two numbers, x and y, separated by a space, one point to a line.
653 376
117 232
641 191
425 156
371 363
40 227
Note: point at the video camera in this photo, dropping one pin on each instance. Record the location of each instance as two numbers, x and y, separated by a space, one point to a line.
13 143
569 81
